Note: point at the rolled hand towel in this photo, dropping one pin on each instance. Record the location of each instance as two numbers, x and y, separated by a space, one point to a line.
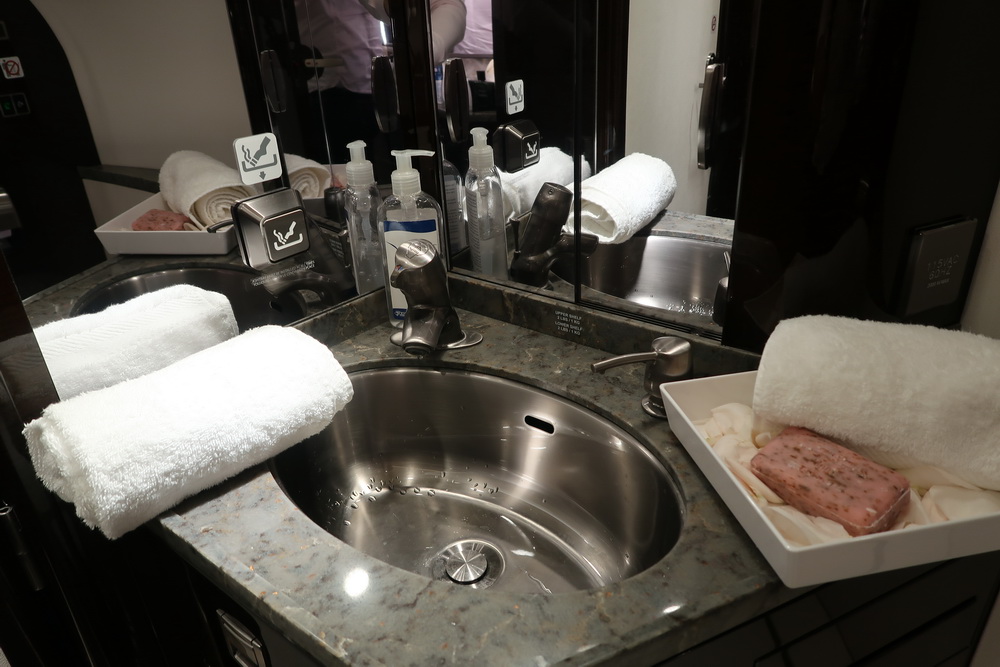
130 339
125 454
521 187
201 187
901 394
307 176
622 199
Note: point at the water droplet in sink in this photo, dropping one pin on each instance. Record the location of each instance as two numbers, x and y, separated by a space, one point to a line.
416 489
402 492
371 499
430 492
354 506
347 523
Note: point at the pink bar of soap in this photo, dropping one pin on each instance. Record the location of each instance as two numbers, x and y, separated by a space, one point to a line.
157 220
821 478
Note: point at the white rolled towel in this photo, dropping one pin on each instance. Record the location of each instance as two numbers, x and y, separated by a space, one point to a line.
901 394
521 187
307 176
622 199
124 454
201 187
130 339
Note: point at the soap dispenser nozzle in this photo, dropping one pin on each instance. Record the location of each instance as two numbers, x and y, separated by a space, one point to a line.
669 360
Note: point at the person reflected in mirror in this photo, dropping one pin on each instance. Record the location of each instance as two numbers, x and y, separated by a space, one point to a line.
344 36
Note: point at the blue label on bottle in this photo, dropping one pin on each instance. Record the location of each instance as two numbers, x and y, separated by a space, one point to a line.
415 226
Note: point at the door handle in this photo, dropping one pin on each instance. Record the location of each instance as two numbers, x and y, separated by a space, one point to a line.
384 94
456 100
8 214
711 96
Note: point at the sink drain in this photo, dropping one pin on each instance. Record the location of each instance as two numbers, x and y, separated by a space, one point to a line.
473 563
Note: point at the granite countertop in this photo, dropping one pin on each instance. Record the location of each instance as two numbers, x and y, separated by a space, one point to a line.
252 542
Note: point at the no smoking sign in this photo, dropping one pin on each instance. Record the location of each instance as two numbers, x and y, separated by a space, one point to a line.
11 67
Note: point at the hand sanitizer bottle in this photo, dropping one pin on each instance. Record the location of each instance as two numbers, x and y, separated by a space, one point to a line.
362 204
484 208
408 213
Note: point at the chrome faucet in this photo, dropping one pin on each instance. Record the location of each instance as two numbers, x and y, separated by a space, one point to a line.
431 322
541 239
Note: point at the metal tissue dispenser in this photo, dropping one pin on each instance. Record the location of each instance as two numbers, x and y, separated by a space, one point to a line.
431 322
281 240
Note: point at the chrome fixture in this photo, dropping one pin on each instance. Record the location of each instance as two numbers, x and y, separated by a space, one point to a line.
541 239
485 483
431 322
668 361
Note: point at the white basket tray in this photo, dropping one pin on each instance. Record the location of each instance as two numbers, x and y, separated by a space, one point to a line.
688 401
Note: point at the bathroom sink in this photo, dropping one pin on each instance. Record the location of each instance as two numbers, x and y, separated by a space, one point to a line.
671 273
484 482
252 305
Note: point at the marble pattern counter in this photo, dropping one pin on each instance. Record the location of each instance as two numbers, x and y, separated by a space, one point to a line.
253 543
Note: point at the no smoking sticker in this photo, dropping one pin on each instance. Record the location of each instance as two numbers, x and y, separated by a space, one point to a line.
11 67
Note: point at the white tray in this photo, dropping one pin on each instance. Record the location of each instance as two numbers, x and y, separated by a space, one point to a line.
692 400
117 236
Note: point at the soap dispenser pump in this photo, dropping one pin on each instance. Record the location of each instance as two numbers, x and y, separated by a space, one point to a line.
484 207
362 201
408 213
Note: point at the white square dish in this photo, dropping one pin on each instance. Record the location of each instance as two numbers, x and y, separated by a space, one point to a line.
689 401
118 238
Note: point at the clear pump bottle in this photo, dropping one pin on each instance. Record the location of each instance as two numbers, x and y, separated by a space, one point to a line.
454 206
408 213
484 208
362 201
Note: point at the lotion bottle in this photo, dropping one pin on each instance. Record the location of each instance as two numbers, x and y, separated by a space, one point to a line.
484 208
362 201
408 213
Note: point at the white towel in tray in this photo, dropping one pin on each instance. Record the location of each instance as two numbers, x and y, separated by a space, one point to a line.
625 197
124 454
902 394
307 176
133 338
201 187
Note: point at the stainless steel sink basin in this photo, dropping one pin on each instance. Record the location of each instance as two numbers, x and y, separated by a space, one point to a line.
653 269
252 305
484 482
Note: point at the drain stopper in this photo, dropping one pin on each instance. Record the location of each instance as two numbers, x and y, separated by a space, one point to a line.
465 566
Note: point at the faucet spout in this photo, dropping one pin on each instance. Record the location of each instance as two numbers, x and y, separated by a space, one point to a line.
431 322
541 237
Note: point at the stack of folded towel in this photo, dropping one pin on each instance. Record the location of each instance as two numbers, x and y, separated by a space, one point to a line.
904 395
131 339
307 176
201 187
625 197
205 189
126 453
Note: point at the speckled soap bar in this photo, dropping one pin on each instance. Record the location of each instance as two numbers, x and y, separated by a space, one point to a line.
821 478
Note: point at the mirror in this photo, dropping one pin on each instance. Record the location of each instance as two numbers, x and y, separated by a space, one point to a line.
669 88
